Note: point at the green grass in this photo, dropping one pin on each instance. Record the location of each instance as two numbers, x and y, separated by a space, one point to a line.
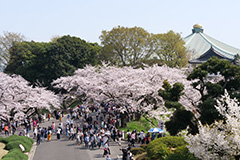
142 124
74 104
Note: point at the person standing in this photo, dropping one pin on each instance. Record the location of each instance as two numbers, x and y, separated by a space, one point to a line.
6 130
78 138
133 137
49 134
58 132
53 127
38 138
128 136
141 136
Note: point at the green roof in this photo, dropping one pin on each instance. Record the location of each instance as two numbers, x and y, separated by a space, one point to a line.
199 43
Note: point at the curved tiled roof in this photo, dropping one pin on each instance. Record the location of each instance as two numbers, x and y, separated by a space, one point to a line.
198 43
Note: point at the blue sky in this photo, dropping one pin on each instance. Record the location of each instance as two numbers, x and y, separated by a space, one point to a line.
41 20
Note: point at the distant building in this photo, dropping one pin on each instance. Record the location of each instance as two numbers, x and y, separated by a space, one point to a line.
202 47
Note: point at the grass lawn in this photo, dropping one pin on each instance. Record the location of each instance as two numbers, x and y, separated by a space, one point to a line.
142 124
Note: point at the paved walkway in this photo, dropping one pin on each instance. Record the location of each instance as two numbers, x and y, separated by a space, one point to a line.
65 149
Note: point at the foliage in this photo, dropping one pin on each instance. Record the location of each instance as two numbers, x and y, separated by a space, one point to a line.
181 118
15 144
179 121
220 140
208 111
12 144
144 146
126 46
132 46
160 148
158 152
172 51
141 156
171 93
142 124
214 76
15 154
44 62
137 150
181 153
210 79
236 60
24 139
7 40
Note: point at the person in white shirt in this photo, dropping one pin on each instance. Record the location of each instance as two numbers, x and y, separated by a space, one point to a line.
58 132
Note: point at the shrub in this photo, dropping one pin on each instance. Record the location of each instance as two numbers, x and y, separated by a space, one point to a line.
25 139
181 153
141 156
8 158
15 145
15 154
144 146
160 148
136 151
158 152
171 141
1 139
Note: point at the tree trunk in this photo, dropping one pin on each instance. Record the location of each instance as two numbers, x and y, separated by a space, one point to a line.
137 116
149 120
123 118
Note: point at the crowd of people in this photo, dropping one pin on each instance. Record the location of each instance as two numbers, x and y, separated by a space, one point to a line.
94 126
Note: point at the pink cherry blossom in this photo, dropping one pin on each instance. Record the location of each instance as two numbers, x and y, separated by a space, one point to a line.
127 85
16 93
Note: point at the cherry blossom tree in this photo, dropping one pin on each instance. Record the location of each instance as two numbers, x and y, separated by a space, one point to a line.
132 89
220 140
16 96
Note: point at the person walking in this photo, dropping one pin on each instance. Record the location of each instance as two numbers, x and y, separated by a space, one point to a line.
49 136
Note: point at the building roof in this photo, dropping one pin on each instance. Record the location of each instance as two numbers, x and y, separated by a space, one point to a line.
198 43
210 53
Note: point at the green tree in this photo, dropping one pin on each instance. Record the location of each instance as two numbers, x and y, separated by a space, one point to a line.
126 46
162 148
181 118
132 46
44 62
6 41
211 79
170 49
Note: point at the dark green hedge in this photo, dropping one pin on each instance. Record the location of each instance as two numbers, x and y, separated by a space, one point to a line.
141 156
136 151
11 138
160 148
15 154
144 146
181 153
12 144
15 145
